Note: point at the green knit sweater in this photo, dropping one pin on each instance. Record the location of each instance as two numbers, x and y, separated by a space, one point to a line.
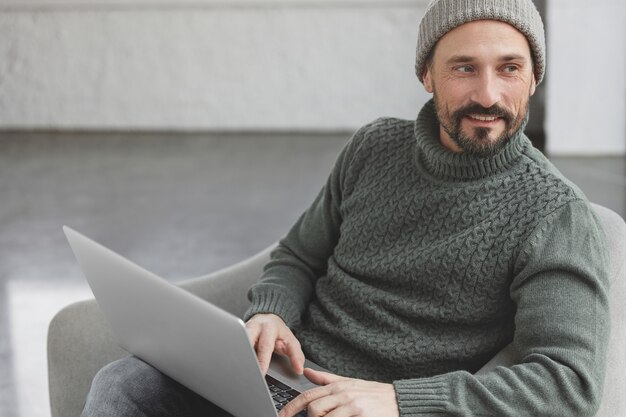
415 265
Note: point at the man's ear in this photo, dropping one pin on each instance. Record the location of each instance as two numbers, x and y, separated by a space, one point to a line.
533 85
427 77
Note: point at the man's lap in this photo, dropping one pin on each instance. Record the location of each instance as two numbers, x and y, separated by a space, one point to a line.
131 387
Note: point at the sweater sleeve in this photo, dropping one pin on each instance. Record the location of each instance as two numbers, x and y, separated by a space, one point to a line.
561 330
286 285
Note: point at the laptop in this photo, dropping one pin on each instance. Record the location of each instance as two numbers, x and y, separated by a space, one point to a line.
187 338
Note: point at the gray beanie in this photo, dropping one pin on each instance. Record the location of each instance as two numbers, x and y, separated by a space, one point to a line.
444 15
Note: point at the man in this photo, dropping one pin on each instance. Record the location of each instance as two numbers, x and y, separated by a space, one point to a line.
433 245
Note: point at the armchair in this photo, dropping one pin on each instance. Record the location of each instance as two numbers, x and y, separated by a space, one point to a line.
80 341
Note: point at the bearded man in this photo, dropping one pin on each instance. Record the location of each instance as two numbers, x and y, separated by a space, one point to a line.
433 245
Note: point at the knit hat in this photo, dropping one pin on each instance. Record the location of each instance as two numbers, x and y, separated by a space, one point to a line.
444 15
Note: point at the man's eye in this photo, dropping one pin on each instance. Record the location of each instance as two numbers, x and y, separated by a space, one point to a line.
510 68
464 69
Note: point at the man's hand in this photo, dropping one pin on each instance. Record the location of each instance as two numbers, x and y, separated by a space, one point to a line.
339 397
269 333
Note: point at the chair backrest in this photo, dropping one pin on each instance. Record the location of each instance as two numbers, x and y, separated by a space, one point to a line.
613 400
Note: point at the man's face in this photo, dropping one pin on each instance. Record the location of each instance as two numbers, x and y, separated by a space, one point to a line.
481 76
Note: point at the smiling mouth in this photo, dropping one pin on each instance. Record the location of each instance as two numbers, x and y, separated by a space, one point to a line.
482 118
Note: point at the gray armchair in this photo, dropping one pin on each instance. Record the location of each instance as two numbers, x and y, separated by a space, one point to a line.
80 341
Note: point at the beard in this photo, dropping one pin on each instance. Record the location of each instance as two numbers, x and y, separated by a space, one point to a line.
479 144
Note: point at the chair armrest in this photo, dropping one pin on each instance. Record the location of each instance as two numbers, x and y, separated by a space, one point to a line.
79 344
613 399
80 341
228 287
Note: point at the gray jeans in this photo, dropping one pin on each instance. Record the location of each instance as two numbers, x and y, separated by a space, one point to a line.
131 387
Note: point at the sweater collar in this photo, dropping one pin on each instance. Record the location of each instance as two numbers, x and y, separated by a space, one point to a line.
444 164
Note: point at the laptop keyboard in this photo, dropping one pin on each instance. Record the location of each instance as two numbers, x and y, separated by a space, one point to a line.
282 394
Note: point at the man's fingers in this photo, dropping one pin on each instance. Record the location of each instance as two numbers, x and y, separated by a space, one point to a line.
331 406
322 378
343 397
268 333
253 333
295 354
302 401
265 348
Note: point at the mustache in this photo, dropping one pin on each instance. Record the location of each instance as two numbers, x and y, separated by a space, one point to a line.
477 109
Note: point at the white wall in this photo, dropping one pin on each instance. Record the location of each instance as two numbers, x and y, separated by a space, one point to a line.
277 64
283 65
586 89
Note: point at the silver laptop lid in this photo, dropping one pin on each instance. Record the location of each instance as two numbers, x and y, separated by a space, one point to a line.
194 342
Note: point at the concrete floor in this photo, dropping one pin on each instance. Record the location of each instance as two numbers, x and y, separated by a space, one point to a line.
181 205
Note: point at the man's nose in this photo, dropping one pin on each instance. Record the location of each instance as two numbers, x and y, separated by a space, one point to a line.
486 91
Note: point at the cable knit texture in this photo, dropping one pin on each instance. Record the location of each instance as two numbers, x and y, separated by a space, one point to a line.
415 265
